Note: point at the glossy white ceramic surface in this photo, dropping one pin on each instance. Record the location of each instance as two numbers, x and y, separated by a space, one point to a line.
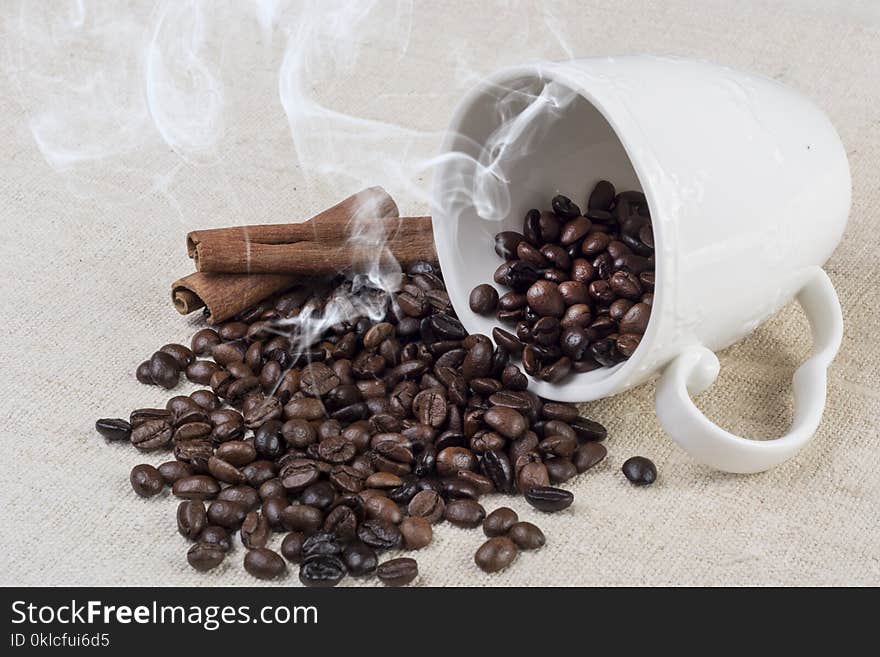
747 182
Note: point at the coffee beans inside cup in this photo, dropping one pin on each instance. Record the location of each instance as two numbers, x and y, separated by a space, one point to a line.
580 285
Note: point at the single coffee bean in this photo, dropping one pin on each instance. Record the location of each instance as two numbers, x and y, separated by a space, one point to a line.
246 496
427 504
588 455
171 471
183 355
483 299
500 471
574 230
526 536
380 535
464 513
549 499
146 480
321 570
586 429
506 421
322 543
602 196
226 513
264 563
417 532
359 559
453 459
236 452
291 547
201 371
142 373
560 470
495 554
203 341
113 428
205 556
640 471
216 535
255 530
564 207
499 521
545 299
196 487
506 243
192 519
398 572
151 435
164 370
302 518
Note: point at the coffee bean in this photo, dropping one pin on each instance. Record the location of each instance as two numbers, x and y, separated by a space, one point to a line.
264 563
574 229
322 543
453 459
495 554
291 547
359 559
215 535
533 475
526 536
417 532
203 341
380 535
151 435
142 373
464 513
427 504
196 487
164 370
563 207
321 570
171 471
499 521
398 572
191 518
545 299
205 556
498 468
183 355
146 480
255 530
549 499
506 421
560 470
483 299
227 514
302 518
640 471
586 429
602 196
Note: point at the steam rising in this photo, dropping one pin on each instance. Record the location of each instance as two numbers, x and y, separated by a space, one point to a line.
149 103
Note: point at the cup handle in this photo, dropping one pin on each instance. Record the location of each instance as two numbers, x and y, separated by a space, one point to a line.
695 369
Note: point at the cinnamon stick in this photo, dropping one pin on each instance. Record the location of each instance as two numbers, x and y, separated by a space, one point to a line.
330 225
225 295
408 240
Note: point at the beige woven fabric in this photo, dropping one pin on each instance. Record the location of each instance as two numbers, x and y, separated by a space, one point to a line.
96 201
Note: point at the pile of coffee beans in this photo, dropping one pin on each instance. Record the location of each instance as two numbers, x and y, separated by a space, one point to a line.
581 285
358 443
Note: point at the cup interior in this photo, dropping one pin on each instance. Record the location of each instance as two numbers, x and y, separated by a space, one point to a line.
512 146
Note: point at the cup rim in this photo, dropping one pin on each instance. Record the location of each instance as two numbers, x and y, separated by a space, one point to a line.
631 371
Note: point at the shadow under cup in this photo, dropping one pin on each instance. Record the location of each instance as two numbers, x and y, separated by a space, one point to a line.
514 143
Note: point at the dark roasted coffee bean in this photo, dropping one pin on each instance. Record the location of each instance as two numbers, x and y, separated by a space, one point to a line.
142 373
640 471
464 513
427 504
627 343
380 535
452 459
205 556
201 371
171 471
196 487
602 196
586 429
341 521
495 554
191 519
556 371
151 434
291 547
532 475
506 243
216 535
604 352
545 299
483 299
527 536
206 399
498 468
255 530
359 559
146 480
302 518
417 533
506 421
564 207
322 543
183 355
549 499
588 455
321 570
113 428
164 370
226 513
264 563
236 452
574 230
398 572
246 496
499 522
560 470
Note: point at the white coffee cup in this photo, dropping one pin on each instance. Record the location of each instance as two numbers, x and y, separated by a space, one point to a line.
749 191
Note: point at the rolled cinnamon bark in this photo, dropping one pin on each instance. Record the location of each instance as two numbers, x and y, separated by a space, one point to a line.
407 240
225 295
332 224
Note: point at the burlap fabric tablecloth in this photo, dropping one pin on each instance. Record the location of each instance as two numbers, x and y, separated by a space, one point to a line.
111 148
